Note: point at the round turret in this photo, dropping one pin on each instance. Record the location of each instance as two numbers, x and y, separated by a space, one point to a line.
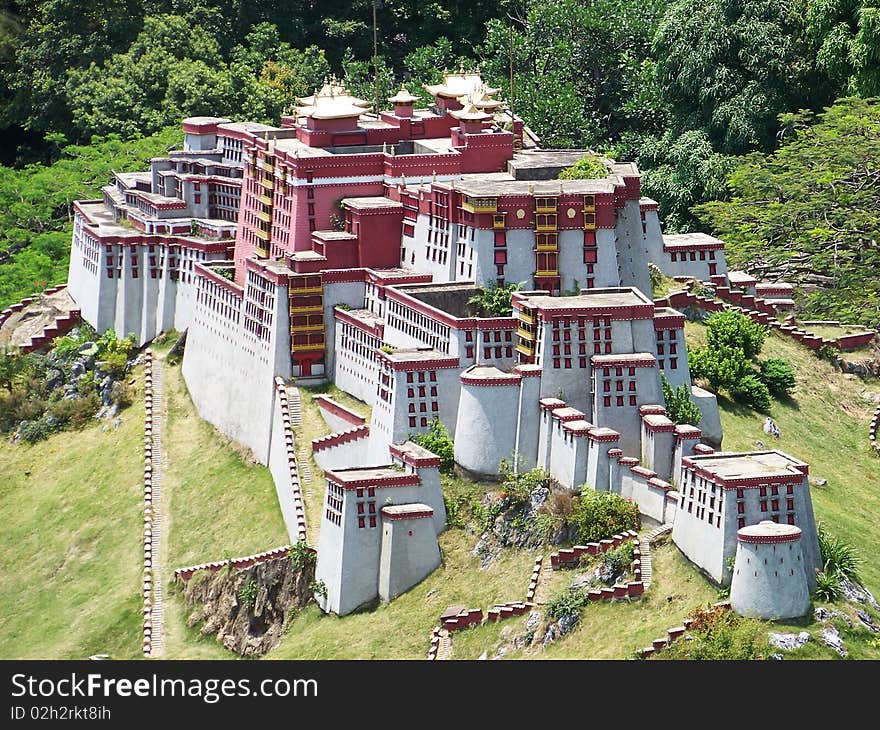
769 579
485 430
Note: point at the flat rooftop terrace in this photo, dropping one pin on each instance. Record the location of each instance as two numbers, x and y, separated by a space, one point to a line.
749 465
588 299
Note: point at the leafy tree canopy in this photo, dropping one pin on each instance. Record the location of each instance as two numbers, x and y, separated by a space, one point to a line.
808 212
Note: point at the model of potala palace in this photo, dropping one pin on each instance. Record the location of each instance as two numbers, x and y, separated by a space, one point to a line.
344 246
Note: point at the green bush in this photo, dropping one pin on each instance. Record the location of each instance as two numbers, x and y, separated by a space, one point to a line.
617 562
301 555
247 594
598 515
721 367
778 376
568 603
838 557
680 408
516 488
718 635
731 330
589 167
75 412
33 431
438 441
751 391
827 586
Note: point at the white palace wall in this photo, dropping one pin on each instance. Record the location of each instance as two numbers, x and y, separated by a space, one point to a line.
230 369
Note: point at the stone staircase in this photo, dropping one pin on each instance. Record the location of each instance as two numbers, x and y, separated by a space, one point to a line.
158 612
294 406
645 547
302 453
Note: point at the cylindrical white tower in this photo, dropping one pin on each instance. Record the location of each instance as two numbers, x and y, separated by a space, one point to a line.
485 430
769 578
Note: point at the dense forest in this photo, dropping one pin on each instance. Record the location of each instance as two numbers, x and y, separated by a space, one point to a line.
720 102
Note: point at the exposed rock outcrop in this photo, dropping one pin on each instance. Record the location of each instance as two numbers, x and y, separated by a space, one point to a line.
248 609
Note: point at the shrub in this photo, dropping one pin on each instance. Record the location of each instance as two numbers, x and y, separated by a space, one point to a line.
114 352
751 391
37 430
722 367
301 555
516 488
680 408
615 563
720 635
568 603
455 516
247 594
826 352
731 330
438 441
778 376
75 412
827 586
589 167
319 588
838 557
597 515
493 301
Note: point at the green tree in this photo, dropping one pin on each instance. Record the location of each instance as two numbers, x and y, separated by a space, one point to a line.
680 408
807 213
679 170
845 37
493 300
730 68
580 68
731 330
438 441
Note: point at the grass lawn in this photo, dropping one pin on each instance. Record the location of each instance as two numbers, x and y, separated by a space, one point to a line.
217 504
312 426
401 629
825 423
70 548
220 503
615 630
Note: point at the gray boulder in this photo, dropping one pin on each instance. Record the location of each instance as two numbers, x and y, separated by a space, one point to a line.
831 637
788 642
568 622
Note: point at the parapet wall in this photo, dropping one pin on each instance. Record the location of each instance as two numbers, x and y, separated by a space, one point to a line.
184 574
343 449
336 415
284 468
60 326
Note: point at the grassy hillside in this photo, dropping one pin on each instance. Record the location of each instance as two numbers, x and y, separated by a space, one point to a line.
401 629
220 503
70 547
217 503
825 423
70 560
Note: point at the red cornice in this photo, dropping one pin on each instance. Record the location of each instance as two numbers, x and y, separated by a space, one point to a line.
387 482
